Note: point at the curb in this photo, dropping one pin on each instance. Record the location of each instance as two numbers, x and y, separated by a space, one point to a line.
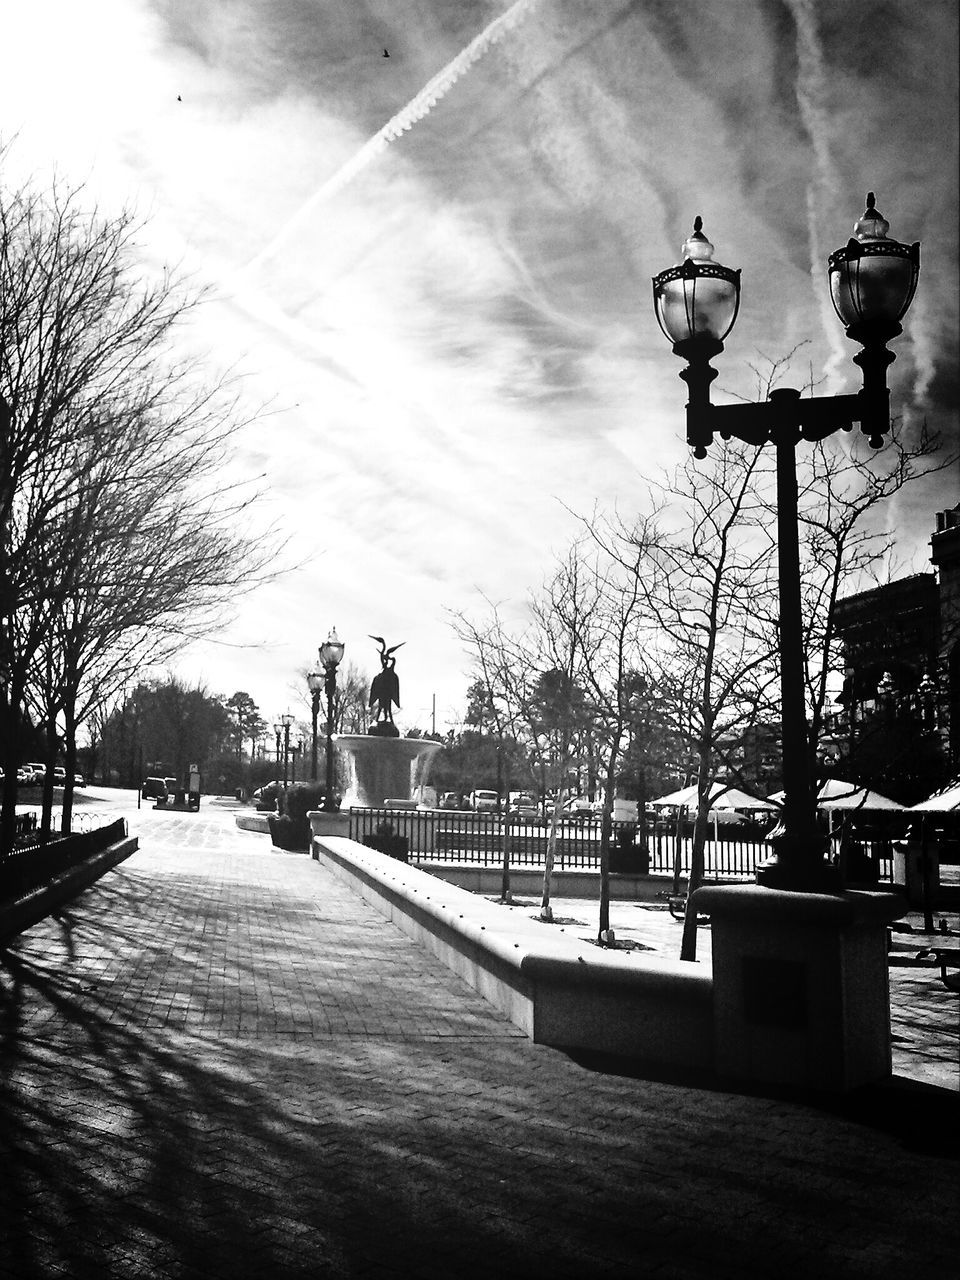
16 917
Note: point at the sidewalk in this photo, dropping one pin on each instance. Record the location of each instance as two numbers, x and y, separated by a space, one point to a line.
219 1063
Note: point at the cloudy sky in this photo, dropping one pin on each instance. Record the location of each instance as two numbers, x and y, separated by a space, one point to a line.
435 266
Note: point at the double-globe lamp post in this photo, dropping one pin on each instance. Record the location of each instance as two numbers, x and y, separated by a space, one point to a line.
331 652
872 282
286 720
315 685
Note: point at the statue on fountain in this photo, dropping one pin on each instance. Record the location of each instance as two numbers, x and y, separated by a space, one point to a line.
385 691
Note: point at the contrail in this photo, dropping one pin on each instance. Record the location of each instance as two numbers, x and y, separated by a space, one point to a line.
428 97
811 94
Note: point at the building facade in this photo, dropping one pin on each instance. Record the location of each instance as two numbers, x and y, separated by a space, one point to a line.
900 724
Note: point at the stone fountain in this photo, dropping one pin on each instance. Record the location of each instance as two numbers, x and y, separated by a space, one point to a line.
385 769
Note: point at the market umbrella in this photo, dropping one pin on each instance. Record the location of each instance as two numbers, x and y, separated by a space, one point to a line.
835 794
942 801
721 797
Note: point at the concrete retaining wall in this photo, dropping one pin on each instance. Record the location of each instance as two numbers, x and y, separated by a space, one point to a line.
555 985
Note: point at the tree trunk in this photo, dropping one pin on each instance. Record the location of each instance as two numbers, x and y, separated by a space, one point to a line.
11 760
688 946
70 761
546 911
506 840
606 831
50 760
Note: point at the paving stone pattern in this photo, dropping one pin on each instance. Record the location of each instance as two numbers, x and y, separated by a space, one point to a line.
218 1062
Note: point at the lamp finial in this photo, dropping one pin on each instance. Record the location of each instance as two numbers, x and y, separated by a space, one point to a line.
871 225
697 247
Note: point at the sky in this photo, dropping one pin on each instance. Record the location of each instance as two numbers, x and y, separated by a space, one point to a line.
433 268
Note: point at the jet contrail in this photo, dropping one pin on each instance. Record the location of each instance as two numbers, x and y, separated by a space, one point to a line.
428 97
811 97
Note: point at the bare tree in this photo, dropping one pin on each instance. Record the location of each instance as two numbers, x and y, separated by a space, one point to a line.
704 574
117 531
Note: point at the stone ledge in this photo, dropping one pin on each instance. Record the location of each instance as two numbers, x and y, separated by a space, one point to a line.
18 916
253 822
557 987
834 910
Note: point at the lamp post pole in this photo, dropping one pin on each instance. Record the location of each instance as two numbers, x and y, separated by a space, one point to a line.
278 734
286 720
331 653
872 283
315 685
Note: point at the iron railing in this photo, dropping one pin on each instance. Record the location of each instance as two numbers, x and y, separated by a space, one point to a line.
32 864
477 838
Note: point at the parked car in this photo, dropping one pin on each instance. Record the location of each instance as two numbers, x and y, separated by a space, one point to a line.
153 788
484 801
78 780
579 808
450 800
59 776
39 772
523 804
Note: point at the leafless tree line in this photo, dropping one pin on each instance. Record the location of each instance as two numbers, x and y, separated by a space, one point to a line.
120 536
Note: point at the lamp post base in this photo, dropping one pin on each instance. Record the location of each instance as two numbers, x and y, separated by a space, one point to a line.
798 863
801 994
799 875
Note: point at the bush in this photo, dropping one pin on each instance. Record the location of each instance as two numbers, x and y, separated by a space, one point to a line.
297 801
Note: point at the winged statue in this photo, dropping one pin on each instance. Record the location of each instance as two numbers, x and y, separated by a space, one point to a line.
385 688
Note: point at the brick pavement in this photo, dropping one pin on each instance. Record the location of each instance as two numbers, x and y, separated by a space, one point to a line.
219 1063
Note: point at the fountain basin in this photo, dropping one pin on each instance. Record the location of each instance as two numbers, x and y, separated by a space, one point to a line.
384 769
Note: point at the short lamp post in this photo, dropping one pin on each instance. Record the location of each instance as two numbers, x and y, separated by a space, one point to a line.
872 282
315 685
331 652
286 720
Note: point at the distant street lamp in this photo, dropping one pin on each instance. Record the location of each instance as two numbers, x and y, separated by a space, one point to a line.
286 721
315 685
872 283
331 652
278 734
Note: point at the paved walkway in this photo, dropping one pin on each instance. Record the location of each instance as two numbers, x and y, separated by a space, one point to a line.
220 1063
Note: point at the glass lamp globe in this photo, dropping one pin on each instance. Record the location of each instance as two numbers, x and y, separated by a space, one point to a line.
697 300
331 651
873 278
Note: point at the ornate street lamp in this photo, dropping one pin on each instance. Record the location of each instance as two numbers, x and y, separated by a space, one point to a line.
315 685
331 652
278 735
286 721
872 283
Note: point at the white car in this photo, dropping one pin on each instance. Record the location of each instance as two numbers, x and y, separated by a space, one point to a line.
579 807
484 801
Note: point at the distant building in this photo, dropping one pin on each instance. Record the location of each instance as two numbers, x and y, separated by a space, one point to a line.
901 647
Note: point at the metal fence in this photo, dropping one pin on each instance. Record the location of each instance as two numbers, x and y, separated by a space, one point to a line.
478 838
32 864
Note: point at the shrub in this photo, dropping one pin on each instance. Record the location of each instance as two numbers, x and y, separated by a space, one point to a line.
297 801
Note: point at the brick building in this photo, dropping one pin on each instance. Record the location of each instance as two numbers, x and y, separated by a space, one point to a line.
901 690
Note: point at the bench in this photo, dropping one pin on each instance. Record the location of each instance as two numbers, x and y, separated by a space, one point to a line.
944 957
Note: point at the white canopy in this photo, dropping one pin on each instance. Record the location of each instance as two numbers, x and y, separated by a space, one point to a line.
835 794
943 801
721 797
